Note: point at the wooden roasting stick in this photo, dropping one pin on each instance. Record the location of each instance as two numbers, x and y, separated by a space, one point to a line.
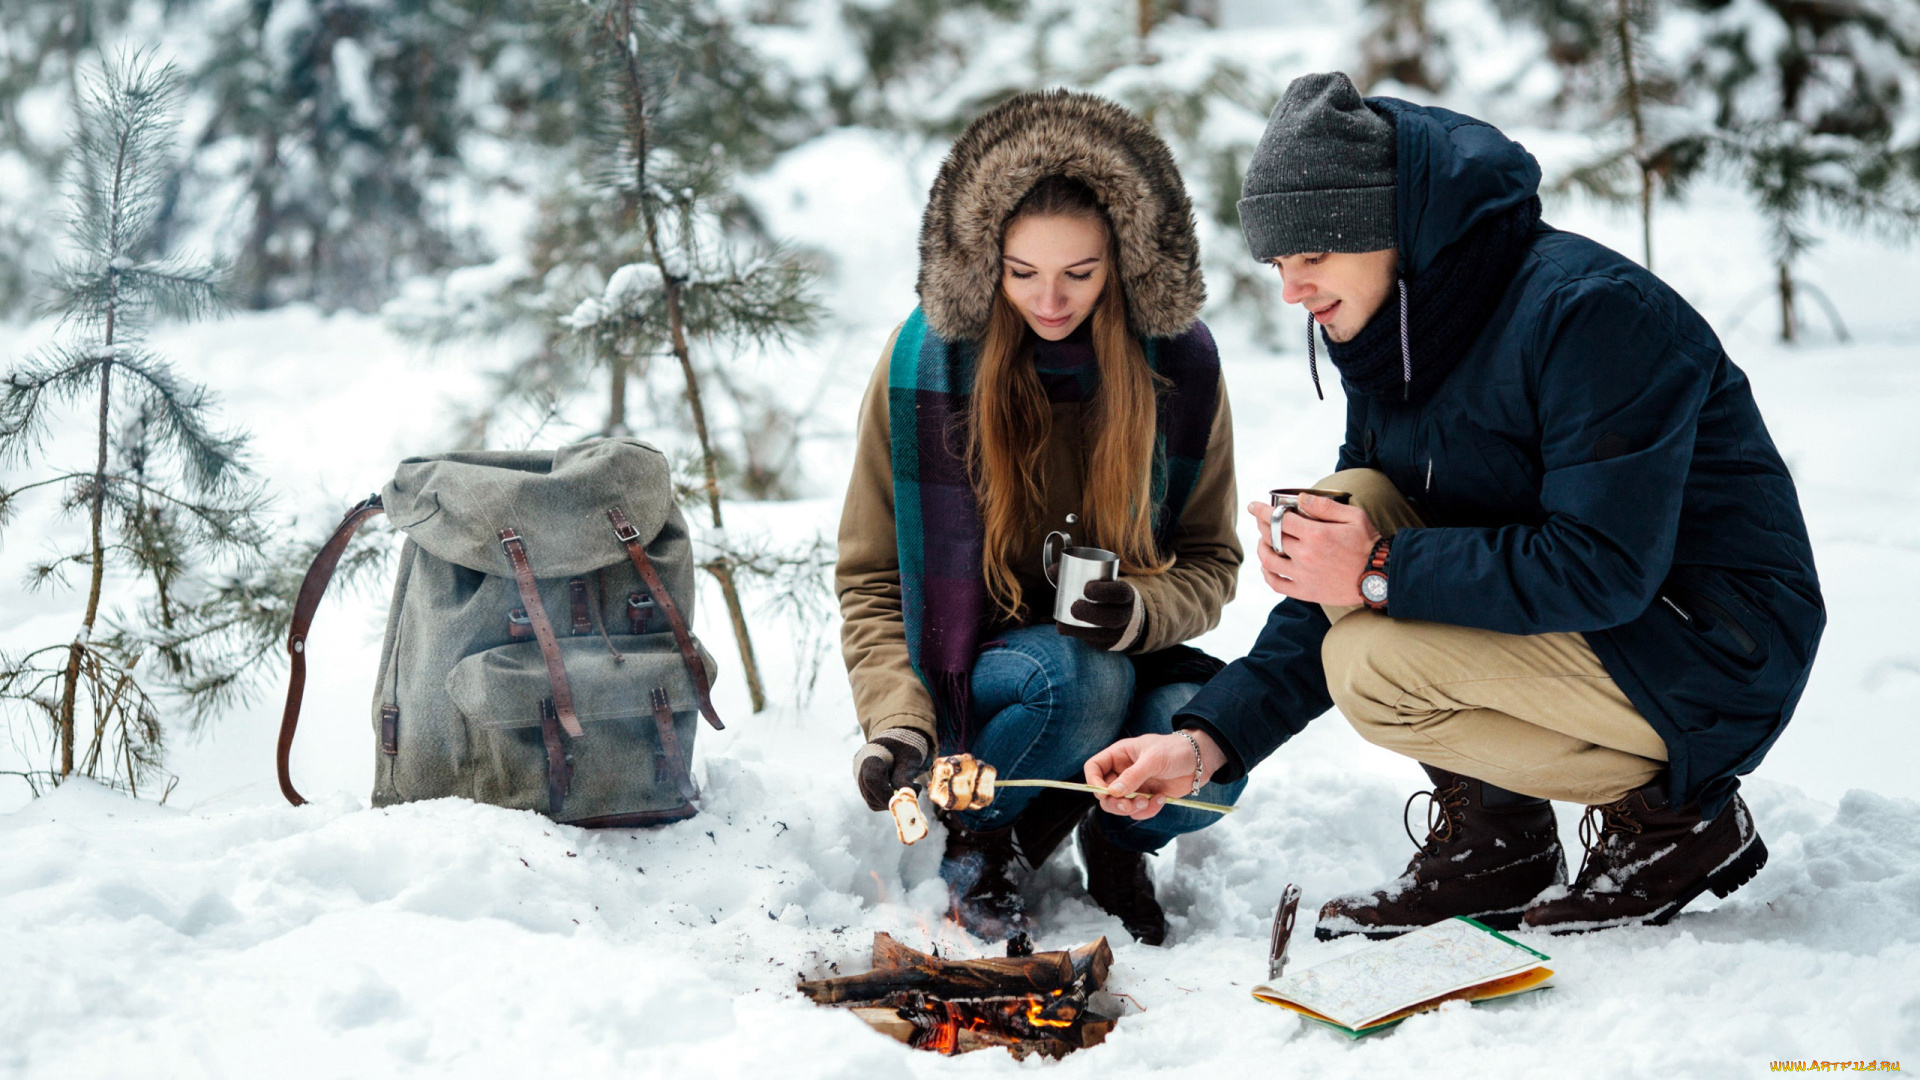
1069 785
964 782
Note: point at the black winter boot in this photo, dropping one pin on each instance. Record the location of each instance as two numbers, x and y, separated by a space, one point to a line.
1048 820
978 869
1118 881
1487 854
1646 860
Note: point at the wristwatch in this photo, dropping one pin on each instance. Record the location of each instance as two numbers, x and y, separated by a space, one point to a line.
1373 581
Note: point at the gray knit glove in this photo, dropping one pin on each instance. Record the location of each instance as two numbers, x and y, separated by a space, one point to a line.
889 763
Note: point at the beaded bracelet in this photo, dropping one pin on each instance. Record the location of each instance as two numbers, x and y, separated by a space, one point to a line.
1199 762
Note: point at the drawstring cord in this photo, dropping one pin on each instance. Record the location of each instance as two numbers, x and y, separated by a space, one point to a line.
1406 351
1313 357
593 612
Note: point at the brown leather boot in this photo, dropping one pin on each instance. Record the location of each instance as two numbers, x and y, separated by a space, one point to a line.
1118 881
1646 860
978 869
1488 852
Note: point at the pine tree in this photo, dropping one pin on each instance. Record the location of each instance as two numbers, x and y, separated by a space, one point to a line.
43 44
338 120
1658 143
166 494
1810 101
1405 46
688 279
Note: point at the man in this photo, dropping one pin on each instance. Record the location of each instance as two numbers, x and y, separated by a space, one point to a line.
1573 566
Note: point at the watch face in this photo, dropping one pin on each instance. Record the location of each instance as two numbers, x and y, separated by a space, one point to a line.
1374 588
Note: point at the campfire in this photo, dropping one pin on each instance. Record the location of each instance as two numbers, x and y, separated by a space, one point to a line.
1027 1002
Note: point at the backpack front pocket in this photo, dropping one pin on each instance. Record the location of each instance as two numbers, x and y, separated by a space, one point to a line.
636 702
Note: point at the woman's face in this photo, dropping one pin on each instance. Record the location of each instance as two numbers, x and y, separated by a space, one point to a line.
1053 269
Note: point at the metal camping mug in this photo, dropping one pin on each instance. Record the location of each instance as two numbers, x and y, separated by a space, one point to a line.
1070 572
1285 499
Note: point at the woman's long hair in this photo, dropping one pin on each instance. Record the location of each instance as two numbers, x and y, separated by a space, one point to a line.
1012 419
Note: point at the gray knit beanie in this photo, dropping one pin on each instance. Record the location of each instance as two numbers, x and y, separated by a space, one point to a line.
1322 178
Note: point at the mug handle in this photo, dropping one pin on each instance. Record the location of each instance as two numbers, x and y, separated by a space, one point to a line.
1050 563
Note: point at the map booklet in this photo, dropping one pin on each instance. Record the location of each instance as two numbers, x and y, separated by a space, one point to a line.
1379 986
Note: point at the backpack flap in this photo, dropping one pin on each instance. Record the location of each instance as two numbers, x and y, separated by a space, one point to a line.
454 505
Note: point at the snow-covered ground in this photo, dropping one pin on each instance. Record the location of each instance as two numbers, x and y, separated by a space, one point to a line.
228 935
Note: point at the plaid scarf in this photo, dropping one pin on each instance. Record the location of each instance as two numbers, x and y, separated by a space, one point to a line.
937 523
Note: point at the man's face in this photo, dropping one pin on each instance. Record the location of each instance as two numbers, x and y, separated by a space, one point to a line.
1341 289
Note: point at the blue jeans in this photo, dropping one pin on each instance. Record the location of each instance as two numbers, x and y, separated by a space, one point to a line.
1044 703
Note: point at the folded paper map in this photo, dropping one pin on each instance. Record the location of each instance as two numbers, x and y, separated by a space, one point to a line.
1383 984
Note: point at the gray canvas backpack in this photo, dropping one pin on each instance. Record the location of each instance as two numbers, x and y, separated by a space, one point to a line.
537 654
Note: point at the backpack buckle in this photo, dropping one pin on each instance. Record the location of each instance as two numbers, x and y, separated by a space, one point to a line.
623 529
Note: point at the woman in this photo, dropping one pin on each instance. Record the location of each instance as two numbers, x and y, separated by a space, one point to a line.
1054 377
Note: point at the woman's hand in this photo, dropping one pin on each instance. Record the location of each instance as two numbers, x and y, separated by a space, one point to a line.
1113 607
1153 769
889 763
1327 546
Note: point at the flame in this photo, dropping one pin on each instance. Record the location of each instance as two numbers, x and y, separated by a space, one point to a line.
1035 1003
944 1038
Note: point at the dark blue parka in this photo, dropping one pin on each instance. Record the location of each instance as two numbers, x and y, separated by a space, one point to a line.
1595 463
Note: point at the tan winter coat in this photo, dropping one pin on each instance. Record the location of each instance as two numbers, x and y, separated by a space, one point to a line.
992 166
1180 604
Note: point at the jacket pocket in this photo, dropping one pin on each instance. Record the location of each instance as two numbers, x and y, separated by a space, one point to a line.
1735 631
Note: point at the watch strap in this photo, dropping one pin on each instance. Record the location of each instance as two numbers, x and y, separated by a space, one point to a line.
1376 567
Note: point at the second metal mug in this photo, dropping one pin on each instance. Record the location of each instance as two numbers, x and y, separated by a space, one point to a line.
1070 572
1285 499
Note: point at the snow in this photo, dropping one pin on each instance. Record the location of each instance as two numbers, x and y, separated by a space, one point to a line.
226 934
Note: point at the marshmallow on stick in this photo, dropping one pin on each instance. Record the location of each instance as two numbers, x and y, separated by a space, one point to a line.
964 782
907 819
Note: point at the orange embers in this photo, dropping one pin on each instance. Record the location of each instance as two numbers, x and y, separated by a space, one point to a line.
1026 1002
944 1036
1035 1005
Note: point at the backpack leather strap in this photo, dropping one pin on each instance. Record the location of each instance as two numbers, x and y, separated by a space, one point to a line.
516 550
629 538
670 745
312 588
559 768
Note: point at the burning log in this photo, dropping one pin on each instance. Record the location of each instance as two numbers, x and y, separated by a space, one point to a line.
1027 1004
897 968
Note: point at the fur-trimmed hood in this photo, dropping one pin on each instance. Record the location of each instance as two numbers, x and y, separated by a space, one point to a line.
1012 147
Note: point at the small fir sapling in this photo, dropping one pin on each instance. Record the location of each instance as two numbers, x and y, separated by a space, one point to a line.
1657 140
688 281
167 496
1817 114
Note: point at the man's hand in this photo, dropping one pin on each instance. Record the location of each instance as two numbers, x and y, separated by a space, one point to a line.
1154 768
1327 547
889 763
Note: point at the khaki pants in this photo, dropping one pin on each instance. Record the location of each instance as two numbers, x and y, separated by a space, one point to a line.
1536 714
